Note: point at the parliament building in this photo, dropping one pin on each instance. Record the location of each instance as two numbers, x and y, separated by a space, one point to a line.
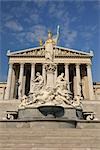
24 64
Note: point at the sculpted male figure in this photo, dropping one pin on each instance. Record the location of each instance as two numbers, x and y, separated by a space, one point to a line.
62 94
24 101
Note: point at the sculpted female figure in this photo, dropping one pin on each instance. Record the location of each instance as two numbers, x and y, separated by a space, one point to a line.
38 82
61 81
50 42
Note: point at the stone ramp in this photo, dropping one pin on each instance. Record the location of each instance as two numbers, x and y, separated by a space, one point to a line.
38 138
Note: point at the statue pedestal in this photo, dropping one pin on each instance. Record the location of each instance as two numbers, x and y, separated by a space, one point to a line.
48 116
50 79
69 112
50 68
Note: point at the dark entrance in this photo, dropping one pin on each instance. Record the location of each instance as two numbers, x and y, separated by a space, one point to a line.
27 73
60 69
38 68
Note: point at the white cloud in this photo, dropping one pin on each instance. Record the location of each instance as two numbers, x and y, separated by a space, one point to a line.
35 17
40 3
87 35
13 25
30 37
19 36
57 10
32 19
89 32
80 6
6 17
69 37
73 19
36 33
40 31
60 13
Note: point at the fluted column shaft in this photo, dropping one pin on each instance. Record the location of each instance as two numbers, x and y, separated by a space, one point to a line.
78 79
44 73
90 82
32 76
55 75
9 80
67 74
21 80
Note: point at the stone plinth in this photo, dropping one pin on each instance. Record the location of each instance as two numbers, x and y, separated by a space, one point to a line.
69 113
38 123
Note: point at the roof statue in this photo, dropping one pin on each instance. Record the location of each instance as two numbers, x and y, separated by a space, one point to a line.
50 42
41 42
53 39
57 36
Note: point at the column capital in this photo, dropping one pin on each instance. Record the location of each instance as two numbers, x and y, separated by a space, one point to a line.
10 63
22 65
11 66
66 64
32 64
88 65
77 64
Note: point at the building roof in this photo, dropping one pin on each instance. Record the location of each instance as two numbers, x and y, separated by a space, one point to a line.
59 52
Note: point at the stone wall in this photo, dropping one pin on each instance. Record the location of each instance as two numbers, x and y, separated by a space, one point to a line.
2 90
96 87
9 105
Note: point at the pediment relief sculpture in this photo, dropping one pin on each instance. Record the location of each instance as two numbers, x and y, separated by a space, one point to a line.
41 52
36 52
61 52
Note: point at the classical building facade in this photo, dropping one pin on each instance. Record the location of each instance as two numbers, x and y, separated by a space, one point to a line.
24 64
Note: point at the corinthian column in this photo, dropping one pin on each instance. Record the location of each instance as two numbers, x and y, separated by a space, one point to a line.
32 76
20 81
90 83
78 89
9 80
67 74
55 75
44 73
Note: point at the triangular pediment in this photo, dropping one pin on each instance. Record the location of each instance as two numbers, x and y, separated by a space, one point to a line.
58 51
66 52
38 51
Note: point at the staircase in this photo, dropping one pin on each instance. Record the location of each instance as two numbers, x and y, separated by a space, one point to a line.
37 138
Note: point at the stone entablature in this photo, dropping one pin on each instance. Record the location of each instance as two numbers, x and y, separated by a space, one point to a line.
56 60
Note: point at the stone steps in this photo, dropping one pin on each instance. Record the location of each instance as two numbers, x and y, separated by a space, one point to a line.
52 148
47 145
49 139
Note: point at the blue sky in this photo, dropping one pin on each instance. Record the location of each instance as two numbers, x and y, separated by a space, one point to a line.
23 23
